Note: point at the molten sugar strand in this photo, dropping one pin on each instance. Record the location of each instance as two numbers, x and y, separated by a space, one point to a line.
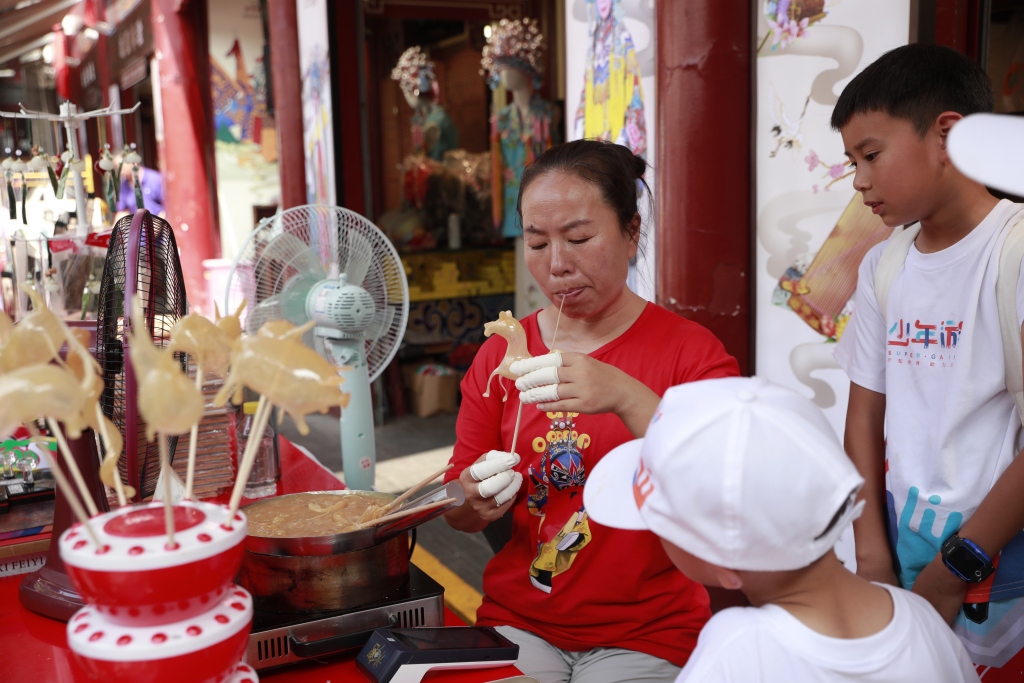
192 438
557 321
76 473
122 498
165 471
408 494
249 456
68 491
405 513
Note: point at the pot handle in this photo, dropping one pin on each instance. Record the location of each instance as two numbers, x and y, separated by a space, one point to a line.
326 646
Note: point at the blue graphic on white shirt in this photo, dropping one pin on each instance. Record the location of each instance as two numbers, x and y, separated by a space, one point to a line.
915 549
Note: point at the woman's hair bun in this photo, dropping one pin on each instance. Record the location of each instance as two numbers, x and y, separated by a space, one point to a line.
639 166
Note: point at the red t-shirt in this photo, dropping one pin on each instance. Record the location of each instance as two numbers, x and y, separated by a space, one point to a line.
564 577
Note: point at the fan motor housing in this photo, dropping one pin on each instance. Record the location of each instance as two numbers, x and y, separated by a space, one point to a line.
349 308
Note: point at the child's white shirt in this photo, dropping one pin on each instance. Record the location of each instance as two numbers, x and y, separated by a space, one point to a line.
769 645
951 426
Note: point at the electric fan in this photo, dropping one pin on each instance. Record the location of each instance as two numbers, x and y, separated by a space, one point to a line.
142 259
333 266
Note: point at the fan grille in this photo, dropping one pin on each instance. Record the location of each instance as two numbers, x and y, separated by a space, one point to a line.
161 286
328 241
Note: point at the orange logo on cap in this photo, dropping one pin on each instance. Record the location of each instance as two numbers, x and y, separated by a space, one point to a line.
642 485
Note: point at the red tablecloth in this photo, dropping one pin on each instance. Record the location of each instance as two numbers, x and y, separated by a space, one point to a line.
34 648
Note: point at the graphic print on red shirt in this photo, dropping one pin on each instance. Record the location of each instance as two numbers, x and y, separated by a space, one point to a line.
562 576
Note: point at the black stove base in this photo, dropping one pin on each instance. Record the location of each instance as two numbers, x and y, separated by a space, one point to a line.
284 639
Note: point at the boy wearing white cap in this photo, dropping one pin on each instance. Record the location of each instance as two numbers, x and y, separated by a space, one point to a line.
748 488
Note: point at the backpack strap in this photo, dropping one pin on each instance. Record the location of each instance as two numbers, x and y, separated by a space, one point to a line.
891 262
1006 302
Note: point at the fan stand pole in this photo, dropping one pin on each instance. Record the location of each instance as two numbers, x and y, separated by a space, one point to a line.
165 467
65 485
259 424
76 473
192 438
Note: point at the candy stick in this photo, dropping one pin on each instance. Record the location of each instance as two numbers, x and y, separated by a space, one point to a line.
519 415
69 493
192 437
515 434
404 513
259 424
76 473
405 496
165 471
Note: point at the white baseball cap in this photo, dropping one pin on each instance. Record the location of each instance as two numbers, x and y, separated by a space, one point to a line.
738 472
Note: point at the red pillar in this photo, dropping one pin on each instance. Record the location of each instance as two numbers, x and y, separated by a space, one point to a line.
287 80
704 110
187 159
349 146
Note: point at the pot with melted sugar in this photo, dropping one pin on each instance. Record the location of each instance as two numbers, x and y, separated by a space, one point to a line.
313 514
316 523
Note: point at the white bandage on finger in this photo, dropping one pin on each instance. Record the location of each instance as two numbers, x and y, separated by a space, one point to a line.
493 485
545 394
509 492
496 461
528 365
538 378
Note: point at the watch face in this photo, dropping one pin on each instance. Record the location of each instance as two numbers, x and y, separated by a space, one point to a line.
966 562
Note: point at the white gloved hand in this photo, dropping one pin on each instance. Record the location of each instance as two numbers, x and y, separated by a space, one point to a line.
503 486
493 463
496 477
538 381
528 365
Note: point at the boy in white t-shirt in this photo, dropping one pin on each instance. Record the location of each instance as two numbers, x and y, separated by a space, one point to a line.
748 488
930 424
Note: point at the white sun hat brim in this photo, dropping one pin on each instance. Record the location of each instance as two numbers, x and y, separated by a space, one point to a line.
989 148
608 495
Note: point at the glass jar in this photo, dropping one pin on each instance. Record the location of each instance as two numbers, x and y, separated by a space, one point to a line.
266 468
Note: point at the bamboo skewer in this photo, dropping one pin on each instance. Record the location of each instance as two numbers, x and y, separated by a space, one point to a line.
408 494
519 415
165 471
76 473
192 438
66 488
404 513
515 434
249 456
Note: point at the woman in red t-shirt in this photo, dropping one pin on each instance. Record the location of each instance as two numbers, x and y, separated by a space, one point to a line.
583 601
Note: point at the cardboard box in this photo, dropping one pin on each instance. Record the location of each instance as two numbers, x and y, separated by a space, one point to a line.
431 394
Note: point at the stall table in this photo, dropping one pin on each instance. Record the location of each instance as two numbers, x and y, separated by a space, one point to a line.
35 648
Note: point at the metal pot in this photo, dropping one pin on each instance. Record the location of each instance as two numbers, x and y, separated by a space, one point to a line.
341 571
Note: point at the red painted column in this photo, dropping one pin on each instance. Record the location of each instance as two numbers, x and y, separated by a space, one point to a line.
349 154
704 110
287 80
187 158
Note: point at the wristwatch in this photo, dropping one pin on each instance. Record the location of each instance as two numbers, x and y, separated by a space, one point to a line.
966 560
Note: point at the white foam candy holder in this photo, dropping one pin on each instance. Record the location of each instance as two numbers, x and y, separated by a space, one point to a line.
244 674
93 636
132 542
